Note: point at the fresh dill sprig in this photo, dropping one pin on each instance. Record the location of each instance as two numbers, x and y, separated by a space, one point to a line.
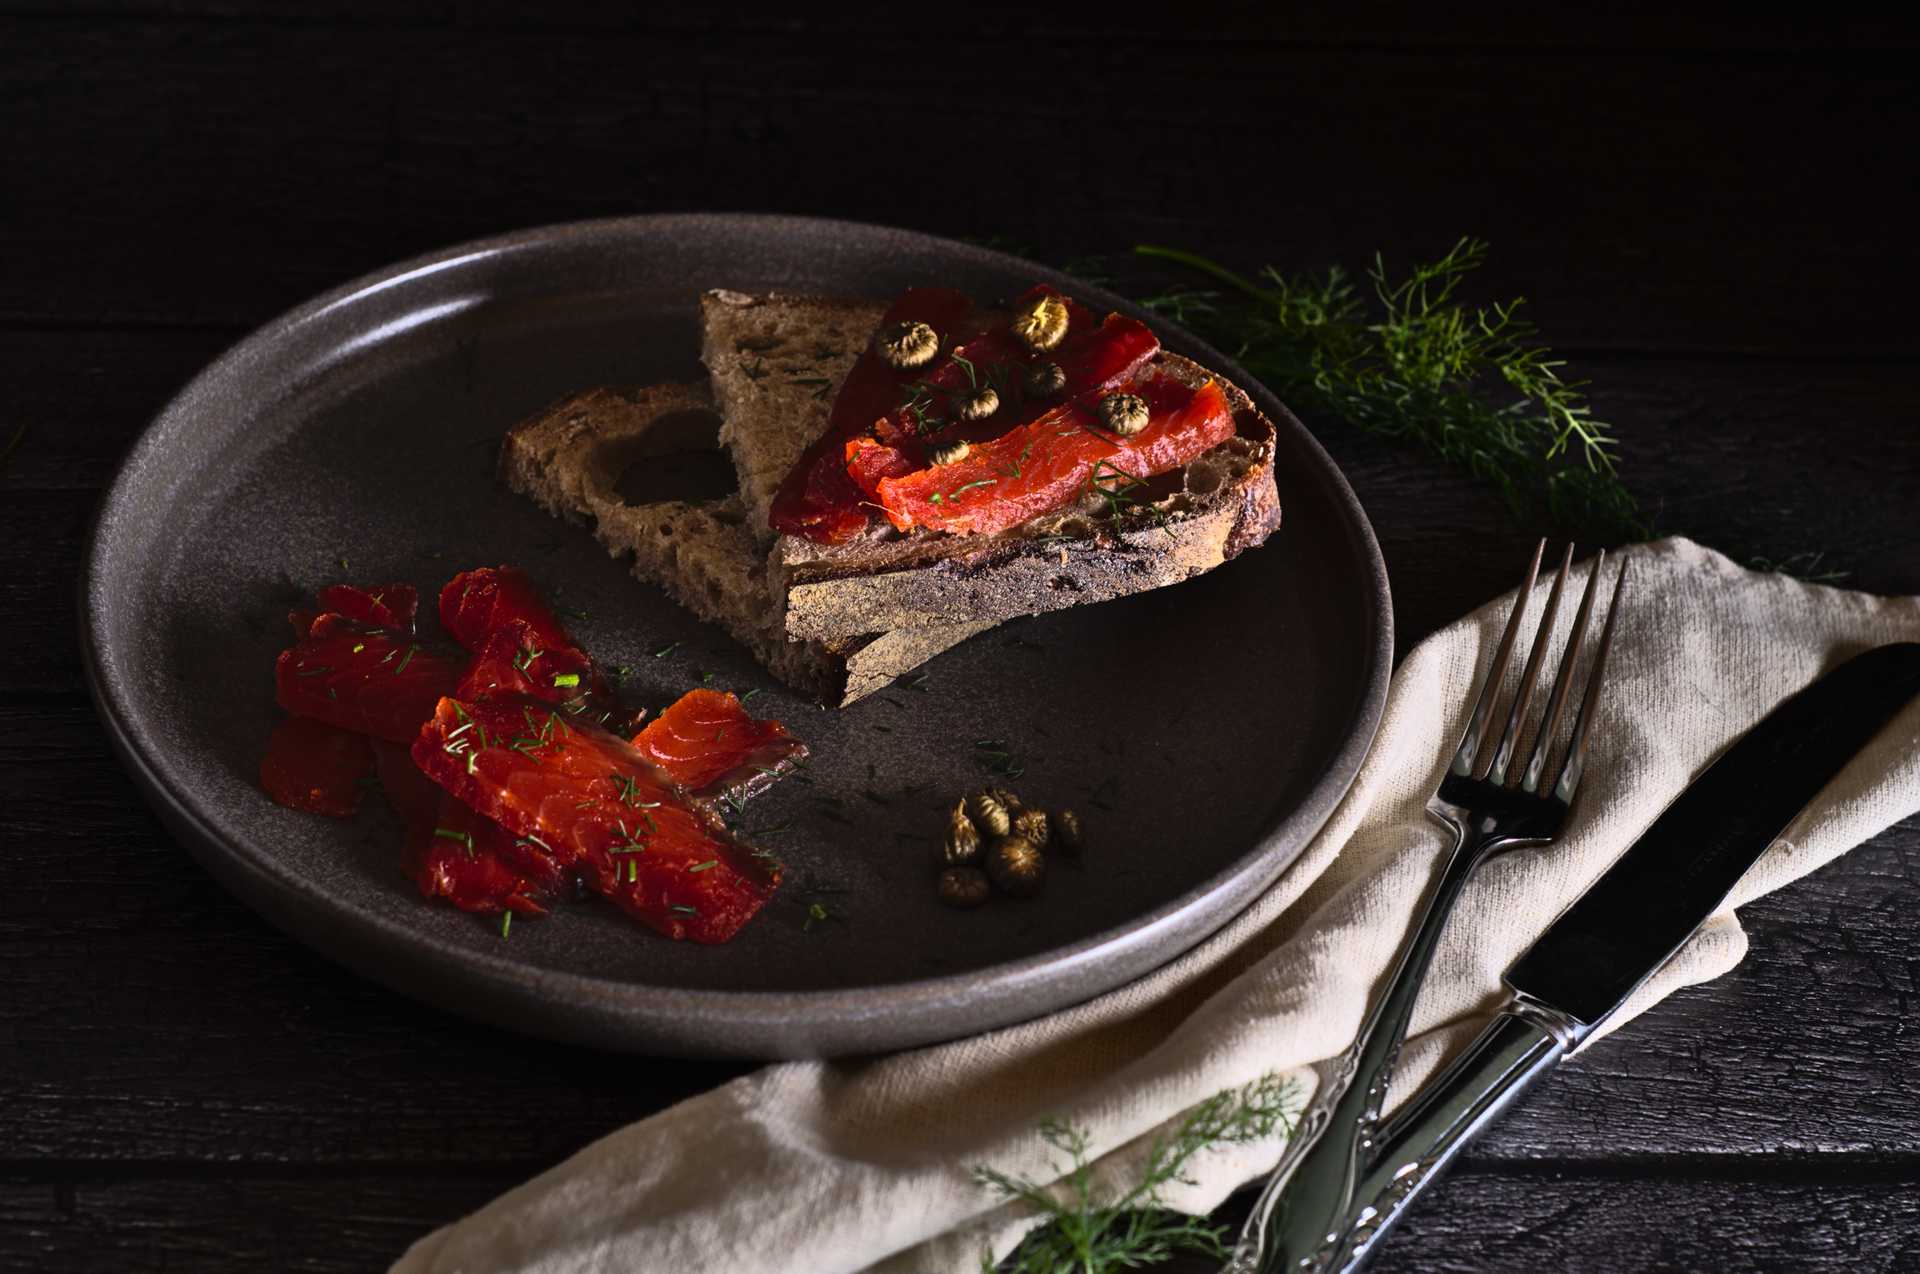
1406 358
12 445
1808 566
1087 1234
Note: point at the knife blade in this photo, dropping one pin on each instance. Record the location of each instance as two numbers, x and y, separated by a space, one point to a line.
1672 880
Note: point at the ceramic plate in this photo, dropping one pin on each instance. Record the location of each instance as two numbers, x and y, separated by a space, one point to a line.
1205 732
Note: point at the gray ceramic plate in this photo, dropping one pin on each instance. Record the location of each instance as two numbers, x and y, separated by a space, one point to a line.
1205 731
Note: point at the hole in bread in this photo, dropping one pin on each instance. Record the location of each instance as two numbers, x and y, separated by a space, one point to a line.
1159 487
1203 477
677 458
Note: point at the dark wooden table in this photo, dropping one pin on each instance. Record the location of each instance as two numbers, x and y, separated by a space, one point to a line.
1715 216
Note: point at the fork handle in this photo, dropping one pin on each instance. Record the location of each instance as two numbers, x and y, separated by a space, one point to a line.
1519 1048
1305 1201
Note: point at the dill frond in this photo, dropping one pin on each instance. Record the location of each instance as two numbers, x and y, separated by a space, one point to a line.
1087 1234
1405 358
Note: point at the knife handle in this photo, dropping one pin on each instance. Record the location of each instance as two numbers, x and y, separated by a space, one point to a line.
1518 1048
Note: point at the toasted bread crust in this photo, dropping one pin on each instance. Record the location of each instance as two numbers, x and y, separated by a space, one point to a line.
569 458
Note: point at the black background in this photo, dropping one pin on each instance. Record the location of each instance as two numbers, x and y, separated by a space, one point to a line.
1713 214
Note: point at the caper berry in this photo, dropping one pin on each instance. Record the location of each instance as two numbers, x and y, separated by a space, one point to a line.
1017 866
1067 832
1031 826
962 843
964 887
978 404
989 814
1041 323
1124 414
904 346
1044 380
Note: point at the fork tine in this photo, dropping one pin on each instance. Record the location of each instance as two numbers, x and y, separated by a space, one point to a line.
1557 701
1470 739
1523 695
1570 769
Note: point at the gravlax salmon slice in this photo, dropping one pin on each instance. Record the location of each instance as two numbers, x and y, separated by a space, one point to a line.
817 499
709 744
315 767
367 680
1094 357
1059 457
604 811
453 852
477 605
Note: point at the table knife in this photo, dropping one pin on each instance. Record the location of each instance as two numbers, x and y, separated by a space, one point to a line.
1615 936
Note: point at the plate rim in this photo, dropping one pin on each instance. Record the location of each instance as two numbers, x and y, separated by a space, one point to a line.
713 1021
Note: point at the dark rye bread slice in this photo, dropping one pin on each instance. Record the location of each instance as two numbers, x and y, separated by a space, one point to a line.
570 458
778 356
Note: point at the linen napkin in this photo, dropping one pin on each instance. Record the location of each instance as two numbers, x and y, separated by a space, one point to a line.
865 1164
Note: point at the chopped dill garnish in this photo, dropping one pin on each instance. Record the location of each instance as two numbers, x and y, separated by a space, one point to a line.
619 673
402 666
666 650
1116 487
684 910
566 680
318 670
750 694
708 865
819 384
918 681
982 482
994 756
569 612
817 913
506 921
627 788
460 838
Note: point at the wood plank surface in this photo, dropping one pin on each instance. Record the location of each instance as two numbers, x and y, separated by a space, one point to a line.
1547 1220
1711 209
271 160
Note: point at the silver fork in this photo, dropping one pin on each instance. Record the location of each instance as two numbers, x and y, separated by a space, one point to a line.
1307 1218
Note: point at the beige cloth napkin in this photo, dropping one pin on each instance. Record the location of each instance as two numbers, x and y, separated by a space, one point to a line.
829 1166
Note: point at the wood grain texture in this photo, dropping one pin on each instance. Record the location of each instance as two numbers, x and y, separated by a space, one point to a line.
1713 215
1549 1220
273 159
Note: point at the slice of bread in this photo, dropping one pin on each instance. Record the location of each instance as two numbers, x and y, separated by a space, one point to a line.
571 457
775 361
